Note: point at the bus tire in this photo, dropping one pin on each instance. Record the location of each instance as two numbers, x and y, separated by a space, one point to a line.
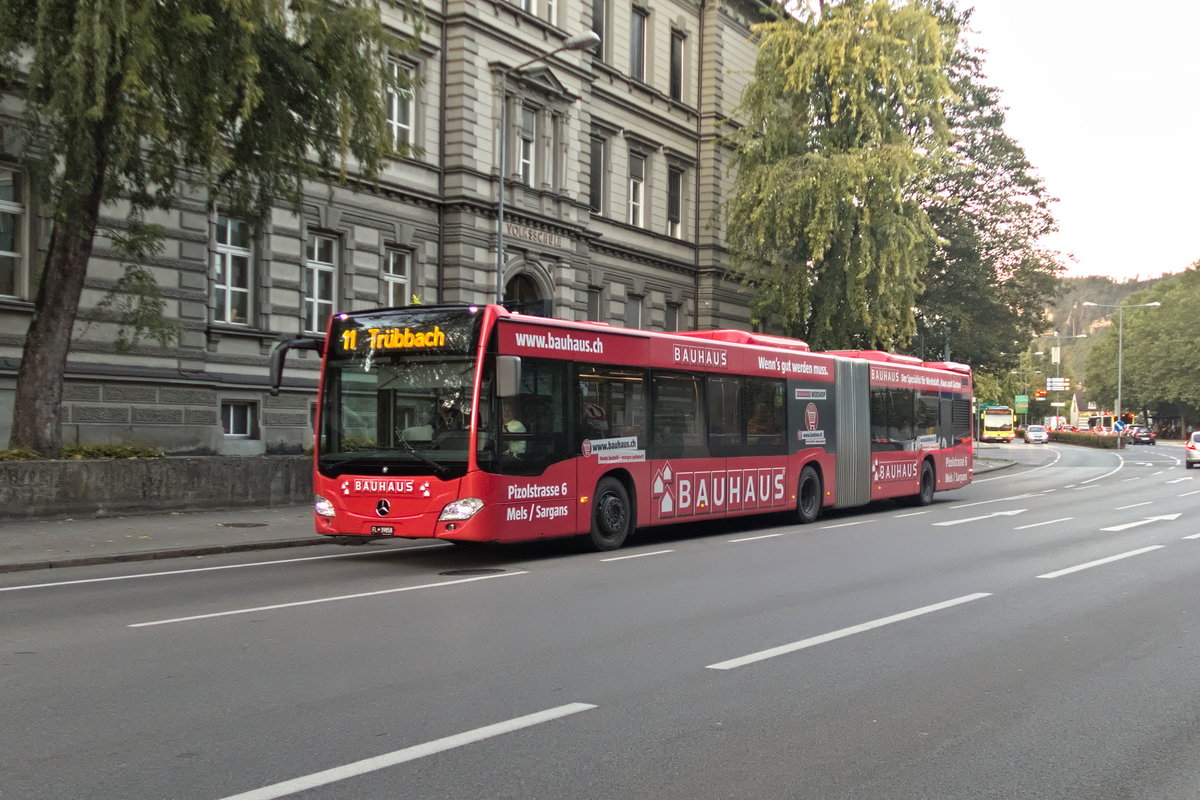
924 495
612 515
808 496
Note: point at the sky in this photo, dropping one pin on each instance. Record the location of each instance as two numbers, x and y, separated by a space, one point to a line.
1104 97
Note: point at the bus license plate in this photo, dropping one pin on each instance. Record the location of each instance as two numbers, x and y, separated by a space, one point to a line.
383 530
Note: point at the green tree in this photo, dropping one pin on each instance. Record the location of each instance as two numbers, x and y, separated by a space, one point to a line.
1160 362
988 283
129 100
842 122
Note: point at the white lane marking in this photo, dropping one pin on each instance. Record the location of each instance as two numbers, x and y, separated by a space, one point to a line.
1003 475
222 566
1135 505
755 538
1189 494
1099 562
637 555
1181 480
912 514
1039 524
985 502
1013 512
324 600
1114 471
376 763
1193 536
1127 480
1079 488
763 655
1146 521
845 524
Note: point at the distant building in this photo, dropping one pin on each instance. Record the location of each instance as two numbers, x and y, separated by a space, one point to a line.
614 178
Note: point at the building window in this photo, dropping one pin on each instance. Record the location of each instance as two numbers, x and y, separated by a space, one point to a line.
633 311
231 271
237 420
637 44
637 186
396 277
595 296
672 321
598 171
320 272
525 145
674 202
12 234
399 107
599 19
676 87
550 168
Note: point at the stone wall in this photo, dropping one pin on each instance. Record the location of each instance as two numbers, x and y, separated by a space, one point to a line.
102 488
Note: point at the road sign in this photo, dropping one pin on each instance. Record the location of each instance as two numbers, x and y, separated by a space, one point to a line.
1058 384
1021 404
1057 405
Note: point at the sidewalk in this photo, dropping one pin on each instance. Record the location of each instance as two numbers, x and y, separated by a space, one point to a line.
46 544
49 544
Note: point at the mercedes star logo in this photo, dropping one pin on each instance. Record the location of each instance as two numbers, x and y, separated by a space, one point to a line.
382 508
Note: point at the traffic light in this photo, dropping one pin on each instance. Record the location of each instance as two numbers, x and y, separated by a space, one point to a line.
1127 418
1040 394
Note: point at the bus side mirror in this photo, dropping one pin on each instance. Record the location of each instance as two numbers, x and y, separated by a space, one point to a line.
508 376
279 351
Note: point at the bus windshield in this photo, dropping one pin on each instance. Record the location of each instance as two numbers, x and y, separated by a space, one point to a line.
396 398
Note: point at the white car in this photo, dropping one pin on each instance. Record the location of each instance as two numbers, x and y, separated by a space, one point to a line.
1036 434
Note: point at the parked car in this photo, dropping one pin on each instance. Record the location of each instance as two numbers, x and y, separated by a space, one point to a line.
1191 450
1036 434
1140 434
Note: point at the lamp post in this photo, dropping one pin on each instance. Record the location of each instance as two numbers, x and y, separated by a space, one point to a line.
1120 342
1057 356
580 41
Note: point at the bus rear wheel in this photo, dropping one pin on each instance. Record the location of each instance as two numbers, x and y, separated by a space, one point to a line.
612 515
808 496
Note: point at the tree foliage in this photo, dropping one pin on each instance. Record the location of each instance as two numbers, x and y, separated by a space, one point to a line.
1160 362
842 124
130 100
987 283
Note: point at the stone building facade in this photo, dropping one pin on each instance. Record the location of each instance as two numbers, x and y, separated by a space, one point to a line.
613 186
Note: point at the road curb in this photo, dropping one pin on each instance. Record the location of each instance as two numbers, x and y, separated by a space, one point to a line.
154 555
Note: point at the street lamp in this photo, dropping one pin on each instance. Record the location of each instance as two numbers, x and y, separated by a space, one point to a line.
580 41
1056 357
1120 341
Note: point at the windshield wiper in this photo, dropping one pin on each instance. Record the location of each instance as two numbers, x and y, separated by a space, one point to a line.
439 469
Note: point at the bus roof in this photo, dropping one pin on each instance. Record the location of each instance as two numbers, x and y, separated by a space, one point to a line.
745 337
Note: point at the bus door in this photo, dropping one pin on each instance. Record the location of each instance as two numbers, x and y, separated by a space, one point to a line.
611 430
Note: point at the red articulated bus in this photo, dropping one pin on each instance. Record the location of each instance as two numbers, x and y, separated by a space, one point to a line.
475 424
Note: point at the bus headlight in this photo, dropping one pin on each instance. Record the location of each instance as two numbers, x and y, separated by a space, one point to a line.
465 508
323 507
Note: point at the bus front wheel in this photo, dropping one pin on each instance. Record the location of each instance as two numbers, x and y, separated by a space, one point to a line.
612 515
924 495
808 496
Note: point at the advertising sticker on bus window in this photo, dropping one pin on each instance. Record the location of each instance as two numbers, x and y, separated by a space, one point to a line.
612 451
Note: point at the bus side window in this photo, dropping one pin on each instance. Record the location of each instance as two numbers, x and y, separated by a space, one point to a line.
610 404
677 424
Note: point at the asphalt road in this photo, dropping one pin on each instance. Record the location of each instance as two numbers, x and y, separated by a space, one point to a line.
1034 635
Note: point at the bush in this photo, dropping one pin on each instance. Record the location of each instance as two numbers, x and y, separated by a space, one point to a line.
80 452
19 455
1087 440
